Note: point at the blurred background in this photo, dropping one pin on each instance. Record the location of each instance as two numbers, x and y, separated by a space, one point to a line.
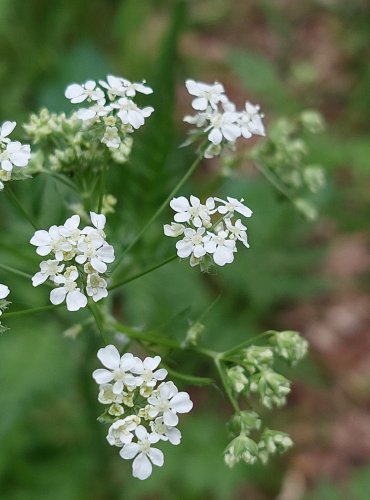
310 276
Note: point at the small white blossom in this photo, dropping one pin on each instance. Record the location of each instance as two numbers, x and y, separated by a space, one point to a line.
121 431
223 127
231 205
206 95
15 155
167 402
69 290
143 453
48 269
97 110
96 287
118 369
111 138
77 93
130 113
221 247
147 371
218 119
6 129
107 396
205 239
174 229
193 243
192 211
165 432
4 291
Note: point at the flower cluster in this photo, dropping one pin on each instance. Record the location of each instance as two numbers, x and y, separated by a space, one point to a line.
283 156
218 118
248 372
111 106
141 407
12 153
79 258
4 292
210 231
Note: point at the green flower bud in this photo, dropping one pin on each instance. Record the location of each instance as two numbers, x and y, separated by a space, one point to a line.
312 121
273 442
236 378
290 345
256 358
314 177
241 448
244 422
271 386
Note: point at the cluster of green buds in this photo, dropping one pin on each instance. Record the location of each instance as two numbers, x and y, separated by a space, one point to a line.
250 374
67 144
283 158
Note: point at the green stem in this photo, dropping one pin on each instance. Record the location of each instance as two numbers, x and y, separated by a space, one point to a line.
12 197
190 378
61 178
101 189
273 181
142 273
15 271
246 343
226 385
94 309
33 310
178 186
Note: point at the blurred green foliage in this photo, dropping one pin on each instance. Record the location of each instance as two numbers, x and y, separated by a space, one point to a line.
51 445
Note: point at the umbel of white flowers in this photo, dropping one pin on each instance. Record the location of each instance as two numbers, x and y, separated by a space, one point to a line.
111 104
141 407
218 119
79 259
12 153
209 231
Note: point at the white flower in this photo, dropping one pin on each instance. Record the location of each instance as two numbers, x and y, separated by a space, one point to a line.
4 291
251 121
223 126
206 95
69 291
144 453
70 230
6 129
193 243
231 205
117 86
238 231
119 368
121 431
173 229
78 93
192 211
114 85
50 241
15 154
166 401
111 138
98 257
48 269
130 113
221 247
147 371
96 287
165 432
107 396
97 110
